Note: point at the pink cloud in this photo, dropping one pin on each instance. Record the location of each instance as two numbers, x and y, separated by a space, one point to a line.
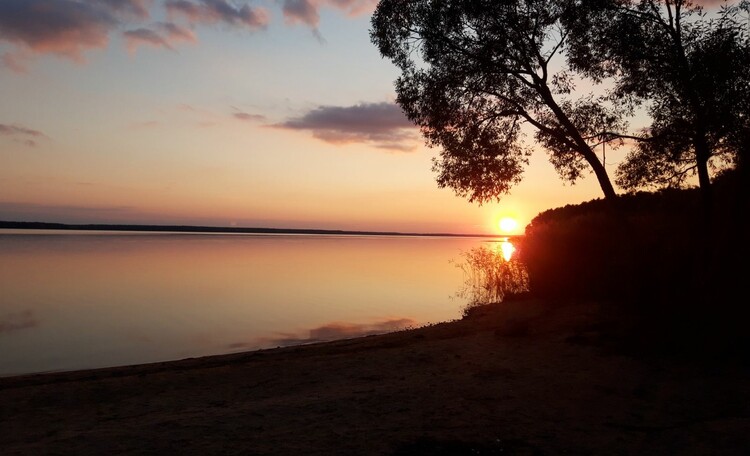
218 11
136 8
301 12
246 116
176 33
307 12
24 135
249 117
382 125
162 35
16 61
144 37
67 28
73 28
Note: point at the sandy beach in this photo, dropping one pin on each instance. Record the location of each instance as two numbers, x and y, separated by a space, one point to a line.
523 377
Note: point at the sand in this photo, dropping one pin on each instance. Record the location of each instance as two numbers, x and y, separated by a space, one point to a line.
524 377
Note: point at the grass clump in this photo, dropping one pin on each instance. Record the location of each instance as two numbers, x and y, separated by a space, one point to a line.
489 277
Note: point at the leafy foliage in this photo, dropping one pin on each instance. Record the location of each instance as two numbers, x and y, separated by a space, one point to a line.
690 70
474 73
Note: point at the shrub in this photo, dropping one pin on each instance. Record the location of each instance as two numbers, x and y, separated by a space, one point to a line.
650 246
489 277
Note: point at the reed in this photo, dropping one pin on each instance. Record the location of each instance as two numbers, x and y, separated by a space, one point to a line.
489 277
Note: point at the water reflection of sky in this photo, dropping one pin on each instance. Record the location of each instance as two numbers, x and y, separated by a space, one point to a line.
327 332
16 321
77 300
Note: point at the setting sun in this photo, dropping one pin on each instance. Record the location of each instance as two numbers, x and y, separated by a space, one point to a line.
507 225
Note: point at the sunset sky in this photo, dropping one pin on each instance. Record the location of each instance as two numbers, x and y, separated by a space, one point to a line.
272 113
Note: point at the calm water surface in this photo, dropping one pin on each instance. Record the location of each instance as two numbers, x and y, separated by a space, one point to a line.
74 300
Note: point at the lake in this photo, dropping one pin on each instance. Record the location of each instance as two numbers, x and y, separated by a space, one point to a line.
76 300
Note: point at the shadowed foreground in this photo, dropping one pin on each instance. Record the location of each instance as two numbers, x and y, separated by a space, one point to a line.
519 378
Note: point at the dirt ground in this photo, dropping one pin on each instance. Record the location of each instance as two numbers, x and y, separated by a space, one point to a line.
524 377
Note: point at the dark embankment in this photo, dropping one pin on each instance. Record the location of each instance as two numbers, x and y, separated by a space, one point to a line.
676 281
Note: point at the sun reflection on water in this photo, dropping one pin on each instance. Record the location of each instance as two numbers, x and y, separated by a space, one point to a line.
507 249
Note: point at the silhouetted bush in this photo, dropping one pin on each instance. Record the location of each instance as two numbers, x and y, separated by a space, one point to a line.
651 252
647 246
489 277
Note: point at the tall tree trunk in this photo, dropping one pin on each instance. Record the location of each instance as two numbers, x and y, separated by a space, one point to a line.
601 175
583 148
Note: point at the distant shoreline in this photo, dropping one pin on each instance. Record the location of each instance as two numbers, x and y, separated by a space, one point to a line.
219 229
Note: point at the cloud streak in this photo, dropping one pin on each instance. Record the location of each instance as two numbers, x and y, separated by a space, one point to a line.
23 135
162 35
382 125
210 12
307 12
134 8
246 116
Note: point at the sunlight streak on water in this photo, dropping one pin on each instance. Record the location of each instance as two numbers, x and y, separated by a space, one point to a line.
507 248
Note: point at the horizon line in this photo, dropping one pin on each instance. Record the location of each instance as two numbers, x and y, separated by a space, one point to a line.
222 229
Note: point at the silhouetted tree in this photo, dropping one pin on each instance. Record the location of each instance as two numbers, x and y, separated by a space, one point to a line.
474 72
690 68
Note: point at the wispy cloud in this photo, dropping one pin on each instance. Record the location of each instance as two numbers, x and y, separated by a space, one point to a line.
23 135
219 12
136 8
162 35
307 12
382 125
246 116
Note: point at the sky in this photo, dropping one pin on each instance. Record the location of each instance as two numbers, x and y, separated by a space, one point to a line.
261 113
